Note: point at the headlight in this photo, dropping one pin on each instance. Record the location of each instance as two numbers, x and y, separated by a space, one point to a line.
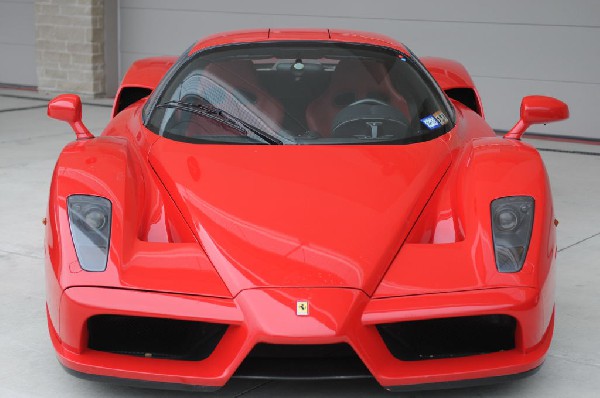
512 221
89 219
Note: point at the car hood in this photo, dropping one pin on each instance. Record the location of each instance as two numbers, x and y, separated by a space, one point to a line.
300 216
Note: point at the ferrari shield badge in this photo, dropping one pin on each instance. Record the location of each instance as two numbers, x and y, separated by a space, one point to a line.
302 308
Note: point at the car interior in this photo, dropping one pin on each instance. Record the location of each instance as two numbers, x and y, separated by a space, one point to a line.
321 96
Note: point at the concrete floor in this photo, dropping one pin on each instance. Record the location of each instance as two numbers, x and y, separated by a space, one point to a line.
29 146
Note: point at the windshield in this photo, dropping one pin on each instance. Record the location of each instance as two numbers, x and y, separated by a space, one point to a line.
300 93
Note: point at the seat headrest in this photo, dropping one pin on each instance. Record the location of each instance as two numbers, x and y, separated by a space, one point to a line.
368 73
236 72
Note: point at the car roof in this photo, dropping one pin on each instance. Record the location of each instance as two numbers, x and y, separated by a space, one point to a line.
270 35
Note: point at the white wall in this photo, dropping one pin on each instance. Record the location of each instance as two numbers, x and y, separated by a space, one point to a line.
17 42
511 47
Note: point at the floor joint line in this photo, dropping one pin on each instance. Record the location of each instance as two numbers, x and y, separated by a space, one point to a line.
581 241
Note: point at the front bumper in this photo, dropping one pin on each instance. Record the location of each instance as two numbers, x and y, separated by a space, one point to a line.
335 316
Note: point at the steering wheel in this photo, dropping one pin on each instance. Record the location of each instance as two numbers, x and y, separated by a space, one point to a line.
369 117
369 101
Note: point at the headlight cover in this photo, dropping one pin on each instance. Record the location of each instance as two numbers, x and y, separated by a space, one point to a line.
512 222
90 222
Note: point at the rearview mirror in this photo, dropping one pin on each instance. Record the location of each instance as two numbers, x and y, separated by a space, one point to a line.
538 109
67 107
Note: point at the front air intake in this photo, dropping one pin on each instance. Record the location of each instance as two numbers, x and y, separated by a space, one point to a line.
154 337
449 337
297 362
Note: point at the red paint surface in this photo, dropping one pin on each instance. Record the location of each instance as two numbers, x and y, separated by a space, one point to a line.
538 109
238 234
144 73
282 216
67 108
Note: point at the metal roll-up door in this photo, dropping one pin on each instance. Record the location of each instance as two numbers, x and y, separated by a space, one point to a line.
512 48
17 43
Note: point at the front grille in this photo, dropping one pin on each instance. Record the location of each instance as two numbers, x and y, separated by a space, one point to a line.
449 337
154 337
286 361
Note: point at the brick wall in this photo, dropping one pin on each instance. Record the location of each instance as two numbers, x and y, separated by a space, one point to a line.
70 46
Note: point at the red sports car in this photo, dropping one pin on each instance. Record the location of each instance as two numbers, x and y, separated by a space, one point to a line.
300 204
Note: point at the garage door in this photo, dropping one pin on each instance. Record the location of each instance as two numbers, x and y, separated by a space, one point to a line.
17 43
512 48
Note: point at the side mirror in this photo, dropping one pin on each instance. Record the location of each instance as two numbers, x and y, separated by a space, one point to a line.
538 109
67 107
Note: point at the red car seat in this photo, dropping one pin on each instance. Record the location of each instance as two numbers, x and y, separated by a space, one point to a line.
240 76
352 81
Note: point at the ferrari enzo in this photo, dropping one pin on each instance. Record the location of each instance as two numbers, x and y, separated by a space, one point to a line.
300 204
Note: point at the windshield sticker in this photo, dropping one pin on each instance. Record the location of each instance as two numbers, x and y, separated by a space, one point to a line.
431 123
441 117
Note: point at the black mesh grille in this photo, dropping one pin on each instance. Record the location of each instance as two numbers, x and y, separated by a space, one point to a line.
466 96
449 337
130 95
274 361
154 337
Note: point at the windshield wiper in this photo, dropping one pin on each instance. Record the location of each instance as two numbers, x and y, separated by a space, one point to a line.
221 116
